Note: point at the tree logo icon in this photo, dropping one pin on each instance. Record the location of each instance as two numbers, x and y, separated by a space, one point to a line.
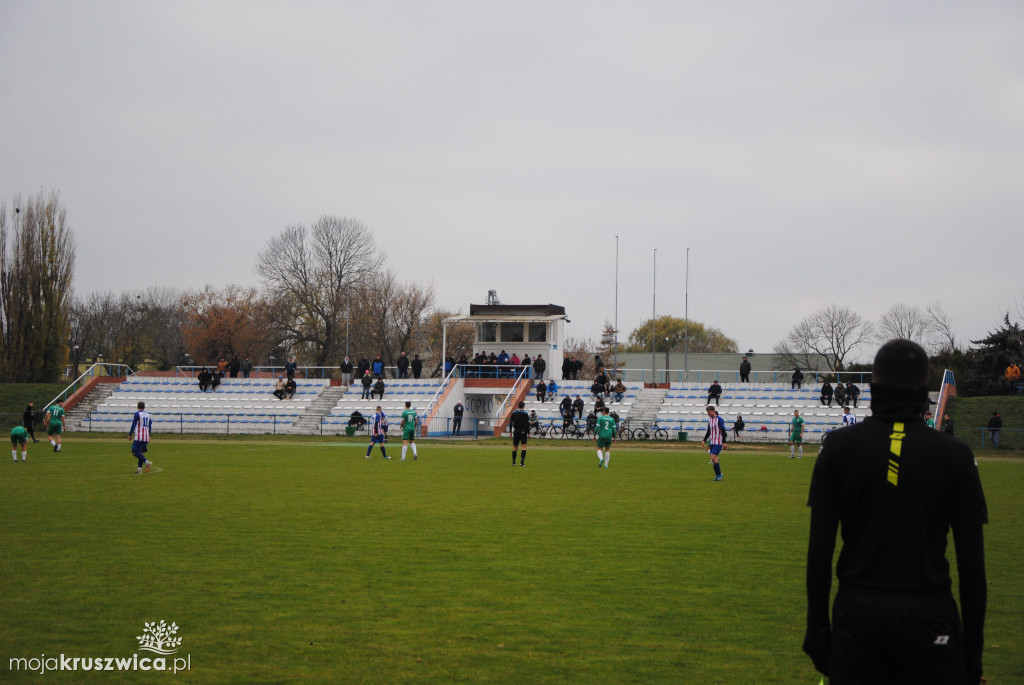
159 638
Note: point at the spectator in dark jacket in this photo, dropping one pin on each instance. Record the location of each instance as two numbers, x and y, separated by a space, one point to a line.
947 425
826 394
798 379
744 371
852 394
714 393
402 365
542 391
738 425
346 371
840 395
290 388
291 367
204 378
457 413
378 389
568 364
539 365
417 366
565 407
578 406
234 366
362 367
246 367
994 424
367 383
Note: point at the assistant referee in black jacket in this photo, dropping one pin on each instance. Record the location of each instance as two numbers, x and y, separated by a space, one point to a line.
897 487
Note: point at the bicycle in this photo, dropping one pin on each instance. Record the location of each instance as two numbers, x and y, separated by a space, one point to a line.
572 429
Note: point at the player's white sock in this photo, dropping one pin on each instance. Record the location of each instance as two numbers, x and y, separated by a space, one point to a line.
600 455
607 458
14 453
58 448
53 443
404 448
24 455
801 450
414 450
792 451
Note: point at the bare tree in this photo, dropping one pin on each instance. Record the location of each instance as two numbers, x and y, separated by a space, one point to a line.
827 336
903 321
36 276
460 337
940 326
390 314
307 275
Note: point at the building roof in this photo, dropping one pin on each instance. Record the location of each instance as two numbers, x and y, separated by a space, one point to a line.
515 310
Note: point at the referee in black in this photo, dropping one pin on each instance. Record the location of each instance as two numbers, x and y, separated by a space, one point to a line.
520 423
897 487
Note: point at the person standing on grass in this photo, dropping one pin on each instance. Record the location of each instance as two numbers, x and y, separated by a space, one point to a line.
604 434
947 425
54 420
519 420
995 424
139 434
896 488
714 438
457 413
409 422
796 436
378 432
19 436
28 420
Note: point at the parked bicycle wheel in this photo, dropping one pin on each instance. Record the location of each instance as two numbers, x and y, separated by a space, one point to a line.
640 434
556 431
660 434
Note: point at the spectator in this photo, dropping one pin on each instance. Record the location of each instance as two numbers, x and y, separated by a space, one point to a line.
552 389
514 360
246 367
542 391
840 395
598 364
357 420
346 372
744 371
234 366
1012 375
279 388
290 388
826 394
568 364
378 389
597 389
619 391
367 383
798 378
852 394
215 381
402 365
204 378
377 368
534 420
457 413
578 405
598 406
417 366
577 367
362 367
539 365
291 367
947 425
738 425
449 364
994 424
527 362
222 367
565 407
714 393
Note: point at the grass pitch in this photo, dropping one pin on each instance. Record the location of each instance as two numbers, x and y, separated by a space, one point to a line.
287 561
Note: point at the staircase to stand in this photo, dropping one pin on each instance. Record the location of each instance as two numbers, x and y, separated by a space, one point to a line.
96 396
646 405
308 422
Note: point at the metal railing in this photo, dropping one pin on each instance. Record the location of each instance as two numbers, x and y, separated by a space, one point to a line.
98 369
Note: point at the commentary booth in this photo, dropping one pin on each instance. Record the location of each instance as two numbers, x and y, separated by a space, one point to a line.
490 393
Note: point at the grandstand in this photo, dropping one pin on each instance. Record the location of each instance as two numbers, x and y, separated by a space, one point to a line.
767 405
397 391
177 405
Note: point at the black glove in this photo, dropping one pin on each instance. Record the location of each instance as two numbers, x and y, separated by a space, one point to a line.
816 646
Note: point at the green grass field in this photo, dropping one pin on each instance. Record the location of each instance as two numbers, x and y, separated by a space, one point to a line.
285 561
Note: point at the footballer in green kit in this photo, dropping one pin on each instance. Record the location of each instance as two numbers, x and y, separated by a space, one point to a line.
409 422
54 421
796 435
19 436
604 433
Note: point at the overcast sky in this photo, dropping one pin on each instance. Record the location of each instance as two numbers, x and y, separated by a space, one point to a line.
808 153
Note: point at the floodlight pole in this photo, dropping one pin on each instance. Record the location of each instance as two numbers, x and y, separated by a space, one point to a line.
654 308
686 319
616 337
